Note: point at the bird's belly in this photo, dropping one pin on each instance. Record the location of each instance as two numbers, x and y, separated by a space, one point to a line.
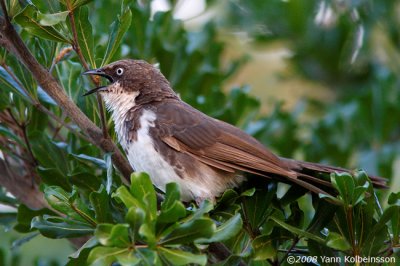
144 158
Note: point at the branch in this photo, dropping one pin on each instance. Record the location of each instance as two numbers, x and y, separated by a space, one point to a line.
10 40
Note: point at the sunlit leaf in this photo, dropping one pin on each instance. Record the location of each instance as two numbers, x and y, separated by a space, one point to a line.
52 19
105 255
28 20
142 189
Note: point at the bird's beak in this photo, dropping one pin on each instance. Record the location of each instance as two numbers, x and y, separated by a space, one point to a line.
97 72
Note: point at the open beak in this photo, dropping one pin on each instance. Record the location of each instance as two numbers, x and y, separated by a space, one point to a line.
97 72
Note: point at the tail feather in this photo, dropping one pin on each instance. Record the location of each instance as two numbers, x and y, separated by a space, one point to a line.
308 170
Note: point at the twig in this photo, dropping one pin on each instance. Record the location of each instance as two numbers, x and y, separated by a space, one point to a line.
77 48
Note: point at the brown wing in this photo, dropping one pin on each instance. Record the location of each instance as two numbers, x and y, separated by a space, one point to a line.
214 142
219 144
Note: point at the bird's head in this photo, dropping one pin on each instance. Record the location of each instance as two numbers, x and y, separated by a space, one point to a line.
131 78
127 76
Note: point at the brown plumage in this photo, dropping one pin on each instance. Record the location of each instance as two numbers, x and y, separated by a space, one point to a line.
206 155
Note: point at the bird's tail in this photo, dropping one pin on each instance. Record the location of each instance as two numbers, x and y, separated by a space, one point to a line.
312 173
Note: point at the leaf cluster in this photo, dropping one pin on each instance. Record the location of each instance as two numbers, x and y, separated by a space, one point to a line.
256 224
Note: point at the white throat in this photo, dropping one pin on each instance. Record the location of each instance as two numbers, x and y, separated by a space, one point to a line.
119 103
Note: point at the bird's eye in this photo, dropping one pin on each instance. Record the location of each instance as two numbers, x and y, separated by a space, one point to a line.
120 71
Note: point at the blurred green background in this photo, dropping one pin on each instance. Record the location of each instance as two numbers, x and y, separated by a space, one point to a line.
313 80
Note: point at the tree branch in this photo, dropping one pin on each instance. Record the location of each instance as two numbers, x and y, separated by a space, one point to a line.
10 39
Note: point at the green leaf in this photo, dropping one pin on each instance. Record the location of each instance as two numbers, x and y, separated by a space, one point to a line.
89 159
85 34
69 204
85 180
172 194
263 248
53 177
57 227
122 194
142 189
135 217
52 19
205 207
190 231
171 208
101 205
27 20
106 255
148 257
25 216
324 214
296 231
118 30
394 198
128 259
58 199
344 183
179 257
359 193
148 234
113 235
49 154
227 230
248 193
337 241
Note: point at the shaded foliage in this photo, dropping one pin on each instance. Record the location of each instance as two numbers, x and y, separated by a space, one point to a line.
123 224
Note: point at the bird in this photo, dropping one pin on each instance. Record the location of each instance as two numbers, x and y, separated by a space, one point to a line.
174 142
